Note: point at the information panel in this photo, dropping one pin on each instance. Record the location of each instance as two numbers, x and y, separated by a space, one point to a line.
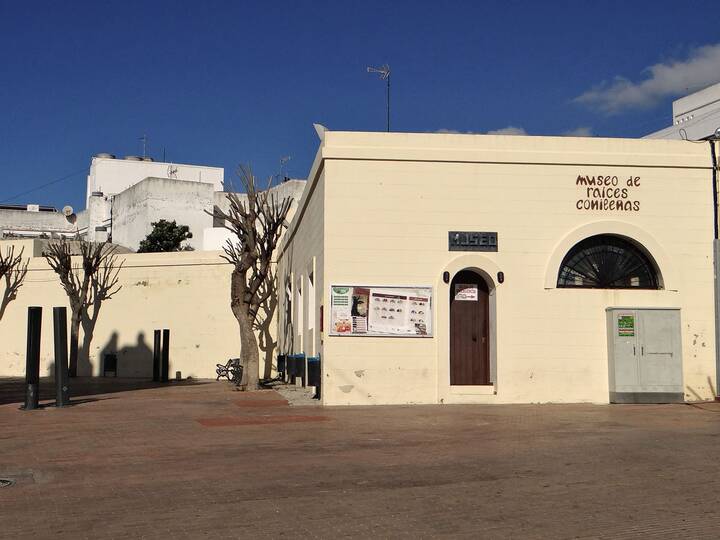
380 311
626 325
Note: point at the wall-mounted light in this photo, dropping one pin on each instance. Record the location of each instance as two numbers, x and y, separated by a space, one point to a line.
501 277
446 277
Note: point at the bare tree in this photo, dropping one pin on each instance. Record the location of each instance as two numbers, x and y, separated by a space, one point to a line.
87 285
13 271
257 225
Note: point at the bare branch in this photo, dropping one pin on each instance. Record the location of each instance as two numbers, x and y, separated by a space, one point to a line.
13 271
87 284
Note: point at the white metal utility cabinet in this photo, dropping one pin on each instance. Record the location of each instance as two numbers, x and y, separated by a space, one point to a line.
645 355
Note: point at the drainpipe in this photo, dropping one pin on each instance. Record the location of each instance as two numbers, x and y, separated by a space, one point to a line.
716 259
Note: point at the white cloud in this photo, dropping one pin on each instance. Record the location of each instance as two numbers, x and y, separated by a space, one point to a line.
578 132
582 131
510 130
673 78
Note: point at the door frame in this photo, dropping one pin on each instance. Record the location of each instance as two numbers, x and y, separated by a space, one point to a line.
487 269
472 343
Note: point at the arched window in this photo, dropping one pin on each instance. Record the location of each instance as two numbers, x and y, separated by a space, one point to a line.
607 262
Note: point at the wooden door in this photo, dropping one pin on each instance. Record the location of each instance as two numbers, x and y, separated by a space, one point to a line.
469 330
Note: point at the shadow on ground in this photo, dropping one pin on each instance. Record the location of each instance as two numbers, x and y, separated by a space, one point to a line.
12 389
72 403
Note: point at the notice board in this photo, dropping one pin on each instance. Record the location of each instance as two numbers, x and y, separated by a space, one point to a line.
380 311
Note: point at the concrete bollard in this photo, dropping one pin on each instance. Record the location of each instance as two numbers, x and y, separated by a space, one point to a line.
156 356
32 359
62 391
166 355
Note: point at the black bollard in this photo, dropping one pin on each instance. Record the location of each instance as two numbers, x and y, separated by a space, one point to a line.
62 392
166 355
32 359
156 357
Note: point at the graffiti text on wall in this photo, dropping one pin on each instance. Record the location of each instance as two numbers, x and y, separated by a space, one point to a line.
608 193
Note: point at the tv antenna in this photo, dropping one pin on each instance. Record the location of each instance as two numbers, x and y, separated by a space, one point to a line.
384 73
144 140
283 168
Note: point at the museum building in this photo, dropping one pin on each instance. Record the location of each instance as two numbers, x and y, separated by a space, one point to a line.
451 268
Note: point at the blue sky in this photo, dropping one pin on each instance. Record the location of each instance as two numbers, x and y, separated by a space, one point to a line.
220 83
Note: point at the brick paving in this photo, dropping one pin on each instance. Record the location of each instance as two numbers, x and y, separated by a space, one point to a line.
199 460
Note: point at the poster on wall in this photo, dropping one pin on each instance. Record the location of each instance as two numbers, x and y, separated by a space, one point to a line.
466 292
380 311
626 326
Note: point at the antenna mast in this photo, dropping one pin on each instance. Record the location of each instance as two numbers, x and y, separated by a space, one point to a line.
283 168
384 73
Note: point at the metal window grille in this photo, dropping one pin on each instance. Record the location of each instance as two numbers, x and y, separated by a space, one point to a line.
607 262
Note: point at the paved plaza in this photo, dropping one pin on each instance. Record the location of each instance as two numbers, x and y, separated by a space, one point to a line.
199 460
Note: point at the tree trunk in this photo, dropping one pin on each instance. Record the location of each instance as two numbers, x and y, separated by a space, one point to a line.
74 339
248 342
249 352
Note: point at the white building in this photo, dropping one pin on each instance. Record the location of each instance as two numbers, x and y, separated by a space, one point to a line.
34 220
125 196
112 176
695 117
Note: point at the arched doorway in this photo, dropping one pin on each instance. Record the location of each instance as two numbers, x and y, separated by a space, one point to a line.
469 329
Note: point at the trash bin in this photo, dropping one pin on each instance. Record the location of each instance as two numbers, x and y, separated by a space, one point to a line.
314 374
281 366
300 369
291 368
313 368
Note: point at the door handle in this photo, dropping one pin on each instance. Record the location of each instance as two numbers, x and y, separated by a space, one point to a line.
642 350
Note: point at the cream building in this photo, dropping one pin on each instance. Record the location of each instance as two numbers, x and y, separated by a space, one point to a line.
520 269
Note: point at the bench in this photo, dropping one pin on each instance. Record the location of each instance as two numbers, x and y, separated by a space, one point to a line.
232 371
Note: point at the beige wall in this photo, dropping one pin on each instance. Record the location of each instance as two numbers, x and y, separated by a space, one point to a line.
187 292
390 200
298 259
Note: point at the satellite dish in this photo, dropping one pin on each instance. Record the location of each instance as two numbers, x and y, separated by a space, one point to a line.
69 214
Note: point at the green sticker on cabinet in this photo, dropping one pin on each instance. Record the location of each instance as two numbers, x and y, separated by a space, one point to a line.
626 325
